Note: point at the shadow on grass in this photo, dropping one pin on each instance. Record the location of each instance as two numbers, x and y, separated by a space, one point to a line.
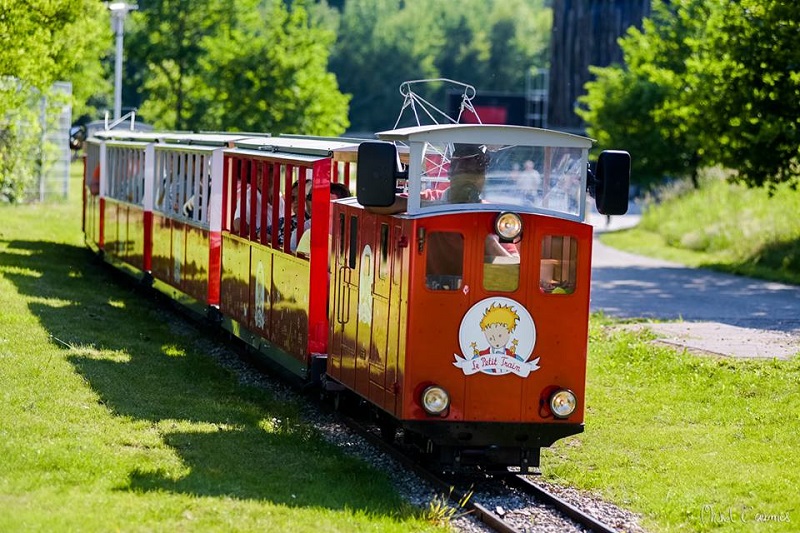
775 261
147 364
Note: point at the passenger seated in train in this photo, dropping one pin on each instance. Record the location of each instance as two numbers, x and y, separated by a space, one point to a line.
467 176
296 211
338 190
240 224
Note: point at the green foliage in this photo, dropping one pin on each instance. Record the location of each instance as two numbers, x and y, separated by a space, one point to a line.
49 40
17 168
249 65
382 43
633 107
44 41
746 87
723 226
706 82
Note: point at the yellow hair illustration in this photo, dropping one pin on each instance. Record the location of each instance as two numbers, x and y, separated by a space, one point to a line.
500 314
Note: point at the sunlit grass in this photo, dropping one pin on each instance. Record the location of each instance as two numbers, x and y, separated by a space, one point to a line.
114 418
722 226
670 434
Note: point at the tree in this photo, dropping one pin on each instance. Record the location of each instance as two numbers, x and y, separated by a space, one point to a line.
745 87
382 43
706 82
374 54
44 41
247 65
633 106
163 51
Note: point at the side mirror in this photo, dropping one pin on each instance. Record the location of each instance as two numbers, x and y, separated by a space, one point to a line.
377 173
612 182
77 134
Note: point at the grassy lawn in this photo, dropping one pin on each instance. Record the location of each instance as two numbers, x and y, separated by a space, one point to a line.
691 443
696 443
722 227
114 418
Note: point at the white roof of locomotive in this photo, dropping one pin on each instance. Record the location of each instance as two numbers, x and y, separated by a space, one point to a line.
485 134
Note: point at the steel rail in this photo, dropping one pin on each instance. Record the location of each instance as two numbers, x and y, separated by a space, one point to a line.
561 505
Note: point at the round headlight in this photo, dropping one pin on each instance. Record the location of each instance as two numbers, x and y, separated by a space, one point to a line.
508 226
563 403
435 400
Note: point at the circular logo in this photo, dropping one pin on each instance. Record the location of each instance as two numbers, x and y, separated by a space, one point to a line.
496 337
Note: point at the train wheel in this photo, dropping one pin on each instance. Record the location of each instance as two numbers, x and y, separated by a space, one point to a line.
388 429
342 402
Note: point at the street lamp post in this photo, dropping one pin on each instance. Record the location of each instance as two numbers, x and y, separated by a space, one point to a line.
119 10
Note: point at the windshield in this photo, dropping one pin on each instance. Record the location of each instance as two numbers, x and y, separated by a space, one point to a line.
525 177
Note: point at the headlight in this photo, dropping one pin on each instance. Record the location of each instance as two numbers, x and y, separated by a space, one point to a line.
435 400
508 226
563 403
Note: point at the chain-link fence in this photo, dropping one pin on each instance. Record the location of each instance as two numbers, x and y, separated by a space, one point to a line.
34 142
53 159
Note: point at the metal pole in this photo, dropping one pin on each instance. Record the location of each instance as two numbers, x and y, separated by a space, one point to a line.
119 10
119 17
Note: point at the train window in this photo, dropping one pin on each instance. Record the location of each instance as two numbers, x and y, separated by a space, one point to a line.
383 265
351 259
559 264
398 256
341 234
126 174
444 266
500 265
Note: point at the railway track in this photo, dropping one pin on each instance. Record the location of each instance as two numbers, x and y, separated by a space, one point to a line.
472 495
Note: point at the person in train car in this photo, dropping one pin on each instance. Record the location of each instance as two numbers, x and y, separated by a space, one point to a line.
190 204
468 166
338 190
237 218
296 209
94 183
169 195
565 185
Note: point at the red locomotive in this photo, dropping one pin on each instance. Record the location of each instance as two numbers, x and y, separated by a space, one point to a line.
451 293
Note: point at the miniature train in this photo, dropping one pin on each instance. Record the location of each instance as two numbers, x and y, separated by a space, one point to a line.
450 294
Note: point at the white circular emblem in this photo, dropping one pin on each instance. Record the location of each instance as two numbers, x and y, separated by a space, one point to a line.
496 337
365 280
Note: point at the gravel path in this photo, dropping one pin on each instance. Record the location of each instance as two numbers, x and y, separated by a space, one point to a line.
711 312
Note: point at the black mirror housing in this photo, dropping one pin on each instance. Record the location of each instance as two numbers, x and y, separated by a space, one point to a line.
377 173
612 182
77 135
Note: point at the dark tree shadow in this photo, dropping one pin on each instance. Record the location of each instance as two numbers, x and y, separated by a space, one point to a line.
148 364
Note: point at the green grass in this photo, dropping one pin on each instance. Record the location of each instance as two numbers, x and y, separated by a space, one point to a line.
696 443
686 441
722 227
112 417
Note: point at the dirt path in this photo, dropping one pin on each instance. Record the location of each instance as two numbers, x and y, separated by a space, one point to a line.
708 311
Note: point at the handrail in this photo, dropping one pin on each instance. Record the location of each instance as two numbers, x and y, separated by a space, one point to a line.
120 120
